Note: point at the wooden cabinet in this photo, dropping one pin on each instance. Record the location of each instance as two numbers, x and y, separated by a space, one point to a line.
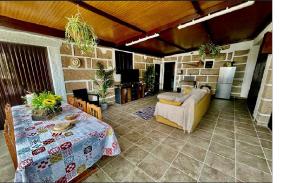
127 93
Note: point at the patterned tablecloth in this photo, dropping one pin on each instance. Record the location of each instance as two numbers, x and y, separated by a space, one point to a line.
45 156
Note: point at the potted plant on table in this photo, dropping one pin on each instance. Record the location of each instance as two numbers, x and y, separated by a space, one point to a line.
45 105
105 80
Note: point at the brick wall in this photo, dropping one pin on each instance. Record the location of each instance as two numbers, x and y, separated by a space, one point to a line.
264 103
82 77
210 75
141 62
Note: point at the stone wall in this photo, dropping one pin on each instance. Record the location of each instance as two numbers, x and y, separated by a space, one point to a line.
264 102
82 77
188 65
141 62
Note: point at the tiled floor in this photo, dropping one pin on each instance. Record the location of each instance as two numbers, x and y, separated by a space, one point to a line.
226 147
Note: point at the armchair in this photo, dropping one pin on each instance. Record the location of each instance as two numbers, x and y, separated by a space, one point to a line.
84 95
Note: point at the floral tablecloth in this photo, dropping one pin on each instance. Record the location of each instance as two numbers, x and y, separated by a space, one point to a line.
46 156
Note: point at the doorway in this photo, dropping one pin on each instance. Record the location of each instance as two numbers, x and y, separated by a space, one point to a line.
256 81
169 70
22 68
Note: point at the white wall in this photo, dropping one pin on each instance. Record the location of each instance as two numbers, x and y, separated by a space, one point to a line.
53 48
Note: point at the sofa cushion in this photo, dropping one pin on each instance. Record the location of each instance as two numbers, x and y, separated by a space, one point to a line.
170 102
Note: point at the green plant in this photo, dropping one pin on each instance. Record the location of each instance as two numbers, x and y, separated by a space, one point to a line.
209 48
104 79
80 33
46 100
149 78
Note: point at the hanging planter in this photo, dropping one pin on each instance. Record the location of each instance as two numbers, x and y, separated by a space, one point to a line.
209 48
80 33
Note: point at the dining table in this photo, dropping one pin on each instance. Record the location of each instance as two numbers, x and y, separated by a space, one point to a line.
45 155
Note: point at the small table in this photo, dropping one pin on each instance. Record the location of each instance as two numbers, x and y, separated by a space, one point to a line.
44 155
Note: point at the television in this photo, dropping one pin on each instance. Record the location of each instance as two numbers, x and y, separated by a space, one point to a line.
129 76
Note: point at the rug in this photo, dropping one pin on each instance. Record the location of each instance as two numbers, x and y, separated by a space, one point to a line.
146 113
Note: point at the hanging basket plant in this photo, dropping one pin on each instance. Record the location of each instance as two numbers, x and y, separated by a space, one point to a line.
209 48
80 33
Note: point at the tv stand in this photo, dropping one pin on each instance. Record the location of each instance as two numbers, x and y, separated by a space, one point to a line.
128 92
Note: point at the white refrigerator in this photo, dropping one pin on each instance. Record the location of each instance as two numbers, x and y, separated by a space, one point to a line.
225 80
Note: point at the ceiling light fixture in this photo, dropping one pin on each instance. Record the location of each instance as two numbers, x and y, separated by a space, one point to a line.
142 39
219 13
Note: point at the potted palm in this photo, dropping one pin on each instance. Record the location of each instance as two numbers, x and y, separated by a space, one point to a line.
105 80
149 78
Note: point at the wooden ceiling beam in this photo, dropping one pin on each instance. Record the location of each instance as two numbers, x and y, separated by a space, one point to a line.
30 27
119 21
200 12
174 24
49 31
106 15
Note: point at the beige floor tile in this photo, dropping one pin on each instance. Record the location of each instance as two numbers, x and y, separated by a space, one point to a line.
188 165
224 133
104 160
262 129
118 168
248 139
253 161
124 143
202 134
220 163
180 135
209 174
153 166
251 149
164 152
194 151
225 127
244 131
266 143
197 141
135 154
98 176
147 144
133 136
158 136
175 175
122 130
224 141
268 153
138 175
222 150
174 143
248 174
265 136
165 128
7 172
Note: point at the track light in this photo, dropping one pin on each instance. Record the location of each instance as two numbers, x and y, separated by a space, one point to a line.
219 13
142 39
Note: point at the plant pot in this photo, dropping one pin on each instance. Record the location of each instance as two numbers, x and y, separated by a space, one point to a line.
44 114
104 106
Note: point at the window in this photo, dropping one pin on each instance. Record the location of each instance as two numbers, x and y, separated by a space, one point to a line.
209 64
123 61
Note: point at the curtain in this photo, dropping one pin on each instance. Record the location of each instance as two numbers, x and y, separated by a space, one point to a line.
22 68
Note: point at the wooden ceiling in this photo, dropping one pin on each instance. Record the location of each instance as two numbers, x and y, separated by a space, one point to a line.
119 22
